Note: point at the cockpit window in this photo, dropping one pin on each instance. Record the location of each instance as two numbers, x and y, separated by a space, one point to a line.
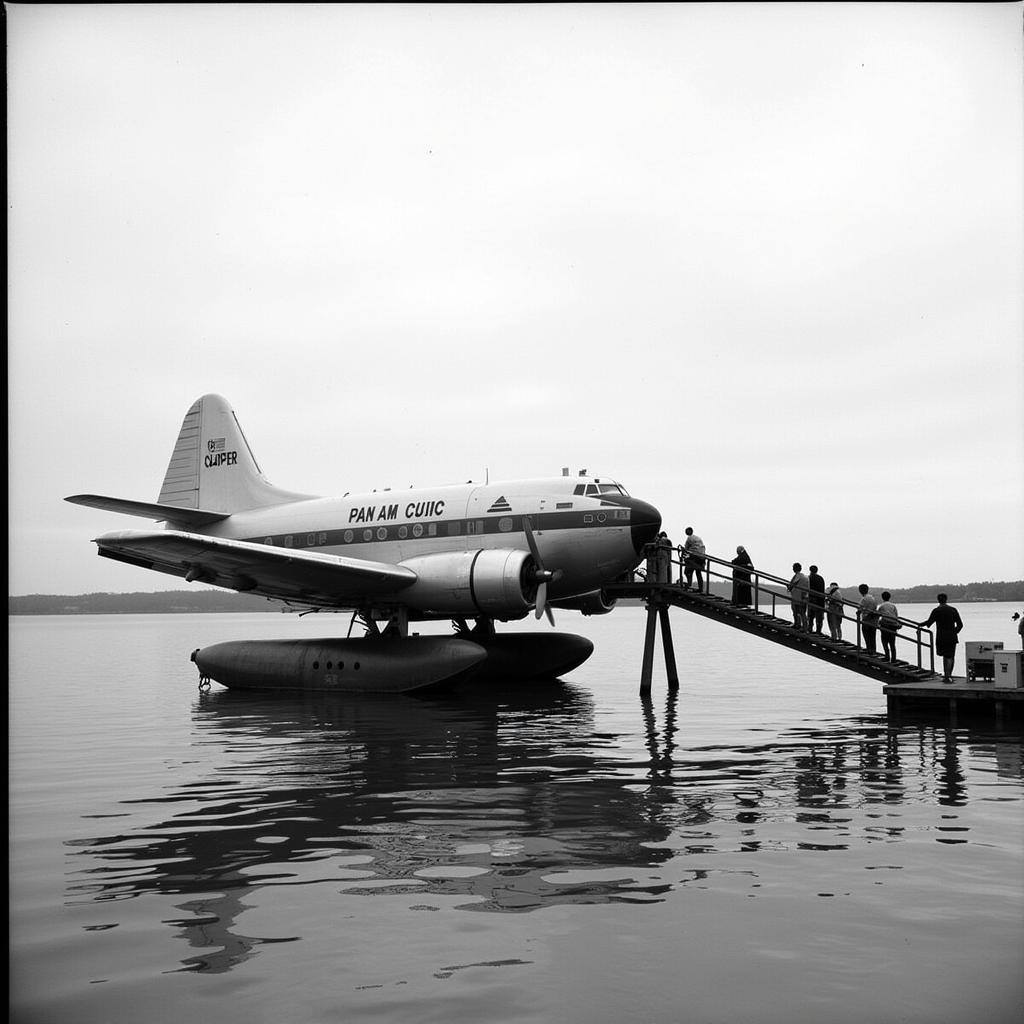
597 488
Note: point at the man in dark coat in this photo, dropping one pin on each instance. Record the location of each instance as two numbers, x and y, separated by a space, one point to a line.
815 601
741 576
948 624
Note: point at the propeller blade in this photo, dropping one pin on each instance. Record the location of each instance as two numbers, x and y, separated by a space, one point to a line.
531 541
542 575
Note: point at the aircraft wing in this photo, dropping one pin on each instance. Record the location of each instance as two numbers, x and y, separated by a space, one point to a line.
306 577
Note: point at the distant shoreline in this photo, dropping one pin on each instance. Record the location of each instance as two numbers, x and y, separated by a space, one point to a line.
165 602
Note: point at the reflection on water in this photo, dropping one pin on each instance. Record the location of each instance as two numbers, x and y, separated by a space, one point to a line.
508 804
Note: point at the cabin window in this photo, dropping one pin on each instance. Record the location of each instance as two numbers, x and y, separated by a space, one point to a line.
367 534
310 540
588 518
454 529
288 541
432 529
417 529
269 540
505 524
348 536
474 526
601 517
403 532
382 533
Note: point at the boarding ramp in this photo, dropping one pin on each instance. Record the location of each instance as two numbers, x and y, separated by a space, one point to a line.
764 617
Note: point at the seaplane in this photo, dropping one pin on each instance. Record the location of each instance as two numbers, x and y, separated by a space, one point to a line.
474 554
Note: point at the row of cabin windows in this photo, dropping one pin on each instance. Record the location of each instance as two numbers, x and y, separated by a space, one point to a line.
453 529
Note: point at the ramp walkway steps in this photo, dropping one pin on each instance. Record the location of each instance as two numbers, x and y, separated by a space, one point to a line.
768 595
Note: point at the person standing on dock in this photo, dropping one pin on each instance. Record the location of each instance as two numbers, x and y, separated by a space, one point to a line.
834 607
797 588
693 548
815 601
868 616
888 624
948 624
741 576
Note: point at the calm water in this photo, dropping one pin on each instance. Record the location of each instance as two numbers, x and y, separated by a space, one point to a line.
760 848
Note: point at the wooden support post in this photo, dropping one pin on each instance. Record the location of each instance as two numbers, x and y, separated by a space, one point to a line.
648 665
670 654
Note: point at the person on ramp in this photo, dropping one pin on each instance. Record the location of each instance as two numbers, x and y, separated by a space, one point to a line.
693 550
741 576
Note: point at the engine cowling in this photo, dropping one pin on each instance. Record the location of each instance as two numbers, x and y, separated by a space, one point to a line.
592 603
495 582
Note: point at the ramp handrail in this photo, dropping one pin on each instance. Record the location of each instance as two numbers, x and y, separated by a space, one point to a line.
922 639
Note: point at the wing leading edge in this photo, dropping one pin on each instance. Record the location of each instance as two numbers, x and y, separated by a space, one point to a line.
302 576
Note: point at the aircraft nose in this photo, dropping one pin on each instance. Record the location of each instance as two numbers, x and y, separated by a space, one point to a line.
645 522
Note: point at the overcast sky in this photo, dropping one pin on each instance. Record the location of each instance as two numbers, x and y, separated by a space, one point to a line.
763 264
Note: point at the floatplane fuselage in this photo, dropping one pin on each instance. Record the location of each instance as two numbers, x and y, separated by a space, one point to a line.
481 552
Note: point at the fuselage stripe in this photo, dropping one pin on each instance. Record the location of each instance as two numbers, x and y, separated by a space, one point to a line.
464 529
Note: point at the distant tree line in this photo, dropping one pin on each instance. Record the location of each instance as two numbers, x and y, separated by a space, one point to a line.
162 602
924 593
192 601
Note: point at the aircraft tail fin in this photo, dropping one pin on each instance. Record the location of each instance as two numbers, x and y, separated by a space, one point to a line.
212 466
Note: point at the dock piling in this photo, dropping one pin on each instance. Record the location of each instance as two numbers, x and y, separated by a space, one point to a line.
657 612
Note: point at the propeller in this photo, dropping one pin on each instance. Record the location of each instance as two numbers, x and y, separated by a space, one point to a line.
542 577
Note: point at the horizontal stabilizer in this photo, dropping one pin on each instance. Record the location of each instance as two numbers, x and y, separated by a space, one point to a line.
188 517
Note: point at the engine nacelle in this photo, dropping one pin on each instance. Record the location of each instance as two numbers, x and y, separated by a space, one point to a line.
592 603
496 582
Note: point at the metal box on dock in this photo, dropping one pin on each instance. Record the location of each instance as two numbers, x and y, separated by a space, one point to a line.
1008 667
979 658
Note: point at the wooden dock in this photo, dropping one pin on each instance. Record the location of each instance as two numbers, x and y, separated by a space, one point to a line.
957 700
